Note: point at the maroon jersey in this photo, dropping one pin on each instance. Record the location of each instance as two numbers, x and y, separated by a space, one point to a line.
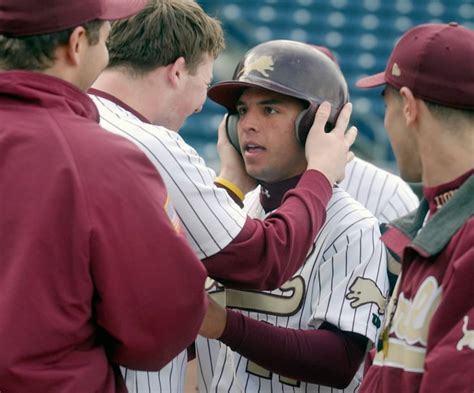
92 269
428 344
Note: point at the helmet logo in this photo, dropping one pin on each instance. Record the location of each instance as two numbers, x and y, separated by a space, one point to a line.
262 65
396 70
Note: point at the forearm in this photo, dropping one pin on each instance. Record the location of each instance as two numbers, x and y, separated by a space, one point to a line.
327 356
266 253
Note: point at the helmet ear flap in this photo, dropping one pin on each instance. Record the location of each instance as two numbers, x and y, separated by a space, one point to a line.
305 120
231 122
303 123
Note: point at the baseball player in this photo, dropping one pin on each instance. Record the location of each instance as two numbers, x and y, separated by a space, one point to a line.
90 262
312 333
427 344
142 92
384 194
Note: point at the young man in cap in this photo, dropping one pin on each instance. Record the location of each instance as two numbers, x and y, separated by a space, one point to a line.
427 344
160 67
90 262
312 333
384 194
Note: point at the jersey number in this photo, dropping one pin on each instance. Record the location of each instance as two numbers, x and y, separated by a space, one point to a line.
286 304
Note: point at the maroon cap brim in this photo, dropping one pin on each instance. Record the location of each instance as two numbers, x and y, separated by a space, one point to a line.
227 93
372 81
120 9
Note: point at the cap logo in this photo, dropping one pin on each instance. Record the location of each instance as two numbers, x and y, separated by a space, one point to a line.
262 65
396 70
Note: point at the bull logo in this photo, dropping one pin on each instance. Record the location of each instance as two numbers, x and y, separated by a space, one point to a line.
467 339
261 64
365 291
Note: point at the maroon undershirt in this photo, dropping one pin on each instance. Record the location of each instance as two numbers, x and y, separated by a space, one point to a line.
326 356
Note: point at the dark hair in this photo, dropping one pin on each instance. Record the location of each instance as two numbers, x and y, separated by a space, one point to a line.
161 33
37 52
449 114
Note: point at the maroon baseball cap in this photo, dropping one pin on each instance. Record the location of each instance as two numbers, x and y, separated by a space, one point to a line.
34 17
435 61
327 52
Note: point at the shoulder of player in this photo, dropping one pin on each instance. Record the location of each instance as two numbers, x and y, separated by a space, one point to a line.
114 117
343 210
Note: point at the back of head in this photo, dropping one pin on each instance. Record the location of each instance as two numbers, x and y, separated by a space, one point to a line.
31 30
164 31
291 68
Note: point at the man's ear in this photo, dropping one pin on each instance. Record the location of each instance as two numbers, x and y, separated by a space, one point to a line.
176 71
76 45
410 105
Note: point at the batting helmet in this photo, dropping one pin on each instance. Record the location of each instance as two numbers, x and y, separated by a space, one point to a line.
288 67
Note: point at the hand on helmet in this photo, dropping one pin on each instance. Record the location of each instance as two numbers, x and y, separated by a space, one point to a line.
232 164
329 152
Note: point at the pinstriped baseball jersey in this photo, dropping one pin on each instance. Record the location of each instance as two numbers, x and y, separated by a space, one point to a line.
343 282
210 219
385 195
169 379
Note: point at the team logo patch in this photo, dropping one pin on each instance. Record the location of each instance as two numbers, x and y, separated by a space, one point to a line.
365 291
467 339
396 70
262 65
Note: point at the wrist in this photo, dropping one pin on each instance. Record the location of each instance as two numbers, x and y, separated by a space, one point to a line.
324 171
234 188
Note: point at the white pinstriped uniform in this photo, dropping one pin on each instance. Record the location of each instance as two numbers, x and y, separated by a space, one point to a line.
384 194
210 219
347 257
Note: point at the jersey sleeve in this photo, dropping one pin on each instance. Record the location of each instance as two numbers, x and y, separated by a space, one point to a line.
352 284
210 218
325 356
150 299
267 252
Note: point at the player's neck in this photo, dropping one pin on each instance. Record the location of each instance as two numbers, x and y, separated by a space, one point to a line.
139 93
446 156
271 194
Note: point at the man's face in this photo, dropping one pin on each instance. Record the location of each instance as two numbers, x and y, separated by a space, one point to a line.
194 91
403 142
267 136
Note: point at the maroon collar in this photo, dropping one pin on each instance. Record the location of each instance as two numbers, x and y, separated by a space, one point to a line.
438 196
119 102
271 194
47 91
